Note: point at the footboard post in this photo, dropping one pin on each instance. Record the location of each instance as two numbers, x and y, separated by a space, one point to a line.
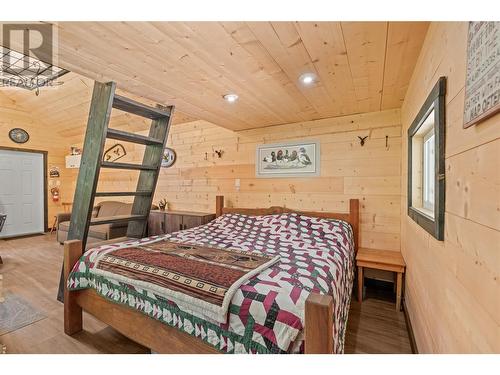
319 324
72 312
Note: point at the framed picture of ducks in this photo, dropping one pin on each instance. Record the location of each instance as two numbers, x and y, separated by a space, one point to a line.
297 159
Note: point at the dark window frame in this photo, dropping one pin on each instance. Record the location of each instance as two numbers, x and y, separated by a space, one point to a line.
435 101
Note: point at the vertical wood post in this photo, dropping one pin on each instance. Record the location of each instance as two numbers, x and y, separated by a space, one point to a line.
88 174
219 205
319 324
354 219
399 285
2 299
361 281
148 179
72 312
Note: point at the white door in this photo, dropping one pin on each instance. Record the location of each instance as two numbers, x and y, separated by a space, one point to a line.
21 192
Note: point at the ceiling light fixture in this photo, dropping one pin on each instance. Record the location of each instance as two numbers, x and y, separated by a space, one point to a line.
307 78
230 98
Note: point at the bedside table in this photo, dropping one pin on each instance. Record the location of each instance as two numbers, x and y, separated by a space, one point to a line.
385 260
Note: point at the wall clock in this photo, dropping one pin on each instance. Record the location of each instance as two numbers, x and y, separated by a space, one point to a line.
168 158
19 135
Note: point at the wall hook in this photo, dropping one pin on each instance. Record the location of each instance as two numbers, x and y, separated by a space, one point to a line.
362 140
386 142
219 153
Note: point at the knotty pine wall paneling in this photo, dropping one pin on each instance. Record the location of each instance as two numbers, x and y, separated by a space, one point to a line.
453 286
348 170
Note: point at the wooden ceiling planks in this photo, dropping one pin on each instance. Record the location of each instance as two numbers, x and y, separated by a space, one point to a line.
361 67
404 41
366 47
325 45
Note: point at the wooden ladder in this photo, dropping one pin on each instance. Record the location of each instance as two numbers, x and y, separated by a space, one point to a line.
103 100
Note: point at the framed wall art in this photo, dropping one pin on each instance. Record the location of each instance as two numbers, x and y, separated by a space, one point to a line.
114 153
168 158
298 159
482 81
19 135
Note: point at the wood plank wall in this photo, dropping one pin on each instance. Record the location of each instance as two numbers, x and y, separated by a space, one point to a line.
41 138
453 286
370 173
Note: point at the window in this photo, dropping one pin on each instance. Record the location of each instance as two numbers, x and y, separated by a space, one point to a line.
428 173
426 164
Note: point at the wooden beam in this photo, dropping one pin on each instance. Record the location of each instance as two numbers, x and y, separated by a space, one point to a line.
148 179
139 109
141 328
88 174
319 324
354 220
95 136
73 322
219 205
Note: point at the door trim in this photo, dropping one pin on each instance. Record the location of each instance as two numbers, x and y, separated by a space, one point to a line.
45 182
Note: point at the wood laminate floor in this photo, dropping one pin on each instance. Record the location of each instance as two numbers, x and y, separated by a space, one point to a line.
31 270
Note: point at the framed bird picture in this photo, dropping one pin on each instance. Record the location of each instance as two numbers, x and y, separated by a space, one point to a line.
297 159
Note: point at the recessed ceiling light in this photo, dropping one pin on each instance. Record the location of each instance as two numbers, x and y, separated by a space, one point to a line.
307 78
230 98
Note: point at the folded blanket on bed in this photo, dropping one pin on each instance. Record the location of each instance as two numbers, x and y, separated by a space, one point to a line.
198 278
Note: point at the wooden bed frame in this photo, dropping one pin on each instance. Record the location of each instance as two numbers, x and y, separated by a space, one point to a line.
162 338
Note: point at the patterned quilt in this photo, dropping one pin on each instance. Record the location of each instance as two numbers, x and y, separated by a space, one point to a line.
266 314
195 277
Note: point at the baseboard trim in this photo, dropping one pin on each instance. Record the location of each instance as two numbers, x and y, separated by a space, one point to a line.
409 328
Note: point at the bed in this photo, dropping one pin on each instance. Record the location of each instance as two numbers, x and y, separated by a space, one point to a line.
299 304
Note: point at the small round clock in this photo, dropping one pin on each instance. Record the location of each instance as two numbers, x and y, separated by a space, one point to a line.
168 158
19 135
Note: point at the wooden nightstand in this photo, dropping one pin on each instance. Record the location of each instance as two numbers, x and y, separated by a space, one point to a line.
381 260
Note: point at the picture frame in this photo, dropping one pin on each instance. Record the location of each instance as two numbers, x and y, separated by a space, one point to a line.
290 159
19 135
482 80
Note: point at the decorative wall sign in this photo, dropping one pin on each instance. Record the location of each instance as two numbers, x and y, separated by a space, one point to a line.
54 172
482 82
114 153
75 150
169 157
301 159
19 135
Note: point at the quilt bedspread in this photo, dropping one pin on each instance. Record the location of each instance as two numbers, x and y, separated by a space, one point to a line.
266 314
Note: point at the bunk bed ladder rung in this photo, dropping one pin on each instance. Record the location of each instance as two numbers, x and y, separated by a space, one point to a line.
120 135
103 101
118 219
108 164
123 193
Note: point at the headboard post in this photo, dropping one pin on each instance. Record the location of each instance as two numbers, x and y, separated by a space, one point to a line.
354 220
219 205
